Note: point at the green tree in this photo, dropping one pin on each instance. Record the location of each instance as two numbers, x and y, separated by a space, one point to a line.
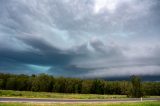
97 87
59 85
21 81
136 87
11 83
4 78
1 83
86 86
42 83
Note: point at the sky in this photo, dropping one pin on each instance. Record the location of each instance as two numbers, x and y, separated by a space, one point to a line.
80 38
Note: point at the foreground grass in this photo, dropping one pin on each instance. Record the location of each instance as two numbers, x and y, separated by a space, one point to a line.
29 94
85 104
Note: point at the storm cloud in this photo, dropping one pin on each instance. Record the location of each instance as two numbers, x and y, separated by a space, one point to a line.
80 38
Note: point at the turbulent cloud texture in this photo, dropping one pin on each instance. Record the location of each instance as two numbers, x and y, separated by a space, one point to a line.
80 38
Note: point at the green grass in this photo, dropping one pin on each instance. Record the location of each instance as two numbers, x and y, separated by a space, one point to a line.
84 104
29 94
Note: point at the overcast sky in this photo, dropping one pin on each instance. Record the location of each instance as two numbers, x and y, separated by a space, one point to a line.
80 38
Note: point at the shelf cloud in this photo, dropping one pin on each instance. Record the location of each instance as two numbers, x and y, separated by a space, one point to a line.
80 38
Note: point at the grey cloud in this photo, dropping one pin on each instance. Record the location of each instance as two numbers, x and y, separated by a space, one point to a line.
71 39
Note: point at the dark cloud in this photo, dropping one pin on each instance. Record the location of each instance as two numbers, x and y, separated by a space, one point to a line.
43 55
80 38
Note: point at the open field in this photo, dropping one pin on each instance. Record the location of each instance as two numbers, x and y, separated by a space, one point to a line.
157 103
29 94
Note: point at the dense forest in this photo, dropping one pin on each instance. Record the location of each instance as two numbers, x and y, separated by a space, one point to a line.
48 83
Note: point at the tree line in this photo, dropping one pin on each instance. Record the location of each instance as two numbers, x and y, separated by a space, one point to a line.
48 83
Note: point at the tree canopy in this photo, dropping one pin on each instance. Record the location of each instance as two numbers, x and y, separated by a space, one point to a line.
47 83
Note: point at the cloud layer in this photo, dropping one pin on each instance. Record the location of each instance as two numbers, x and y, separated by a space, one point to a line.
80 38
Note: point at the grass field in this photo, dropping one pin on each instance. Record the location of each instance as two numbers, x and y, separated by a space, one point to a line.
29 94
85 104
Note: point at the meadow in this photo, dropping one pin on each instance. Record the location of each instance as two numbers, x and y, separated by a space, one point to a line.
84 104
30 94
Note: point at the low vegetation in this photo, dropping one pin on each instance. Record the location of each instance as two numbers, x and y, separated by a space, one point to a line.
84 104
30 94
